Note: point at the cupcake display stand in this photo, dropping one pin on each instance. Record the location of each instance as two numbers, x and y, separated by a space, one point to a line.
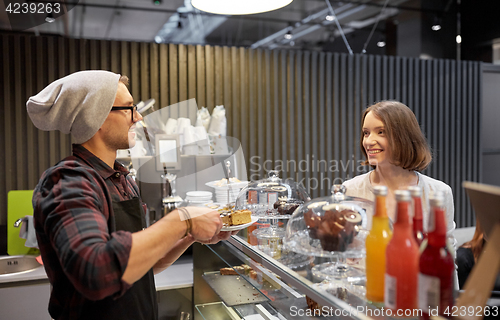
334 228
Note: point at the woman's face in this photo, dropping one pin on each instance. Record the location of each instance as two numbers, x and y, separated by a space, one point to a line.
375 140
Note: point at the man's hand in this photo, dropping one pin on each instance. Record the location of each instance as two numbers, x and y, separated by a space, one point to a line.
223 235
206 223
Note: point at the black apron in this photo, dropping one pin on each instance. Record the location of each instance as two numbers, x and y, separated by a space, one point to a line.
139 302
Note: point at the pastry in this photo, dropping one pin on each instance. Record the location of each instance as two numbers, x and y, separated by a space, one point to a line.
335 229
287 206
235 218
232 271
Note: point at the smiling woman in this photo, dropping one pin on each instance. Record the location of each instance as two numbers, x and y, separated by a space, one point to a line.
395 147
400 129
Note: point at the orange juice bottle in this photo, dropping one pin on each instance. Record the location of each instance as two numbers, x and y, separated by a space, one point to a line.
402 259
376 243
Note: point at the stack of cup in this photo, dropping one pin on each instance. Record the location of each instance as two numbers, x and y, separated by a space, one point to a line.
198 198
226 195
190 141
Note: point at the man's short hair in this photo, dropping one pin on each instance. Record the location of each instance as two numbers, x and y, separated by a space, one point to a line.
124 80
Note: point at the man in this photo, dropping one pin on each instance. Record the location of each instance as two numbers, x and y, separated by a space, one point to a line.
89 219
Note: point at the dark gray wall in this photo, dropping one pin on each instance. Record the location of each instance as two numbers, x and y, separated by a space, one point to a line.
490 123
286 107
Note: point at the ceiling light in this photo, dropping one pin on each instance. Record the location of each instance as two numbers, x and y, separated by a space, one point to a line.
236 7
381 44
459 39
288 35
50 18
436 27
330 18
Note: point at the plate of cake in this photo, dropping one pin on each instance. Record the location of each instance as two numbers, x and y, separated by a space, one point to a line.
236 219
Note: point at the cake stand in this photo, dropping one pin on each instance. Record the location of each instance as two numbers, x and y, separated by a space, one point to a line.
334 228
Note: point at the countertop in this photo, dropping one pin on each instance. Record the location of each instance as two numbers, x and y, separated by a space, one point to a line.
178 275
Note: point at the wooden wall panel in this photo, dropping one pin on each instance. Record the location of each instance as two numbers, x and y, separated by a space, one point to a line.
296 110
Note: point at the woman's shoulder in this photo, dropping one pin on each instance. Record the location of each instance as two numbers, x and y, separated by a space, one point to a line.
359 186
434 184
358 180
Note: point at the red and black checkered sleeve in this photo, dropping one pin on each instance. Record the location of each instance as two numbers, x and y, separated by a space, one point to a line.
73 209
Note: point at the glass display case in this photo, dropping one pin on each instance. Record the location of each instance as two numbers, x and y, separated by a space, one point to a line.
235 280
273 201
332 227
272 198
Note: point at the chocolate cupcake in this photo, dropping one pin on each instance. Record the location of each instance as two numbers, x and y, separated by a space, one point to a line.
336 229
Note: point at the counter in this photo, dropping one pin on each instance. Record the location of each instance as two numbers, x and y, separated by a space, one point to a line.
179 275
272 289
25 295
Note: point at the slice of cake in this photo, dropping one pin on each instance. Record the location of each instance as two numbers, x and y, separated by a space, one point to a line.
235 218
241 217
232 271
226 218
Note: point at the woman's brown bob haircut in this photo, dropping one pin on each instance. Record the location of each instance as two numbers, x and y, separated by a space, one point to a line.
409 147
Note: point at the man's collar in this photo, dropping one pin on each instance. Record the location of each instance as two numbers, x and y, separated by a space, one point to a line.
99 166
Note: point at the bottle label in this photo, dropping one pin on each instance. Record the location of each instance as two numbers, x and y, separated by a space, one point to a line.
432 221
390 286
428 292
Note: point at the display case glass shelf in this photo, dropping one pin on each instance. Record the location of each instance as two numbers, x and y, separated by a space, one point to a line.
242 282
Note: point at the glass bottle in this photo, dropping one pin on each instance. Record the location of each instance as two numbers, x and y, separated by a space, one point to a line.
435 279
402 258
418 224
376 243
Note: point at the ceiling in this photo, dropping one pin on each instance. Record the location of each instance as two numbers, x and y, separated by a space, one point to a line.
362 23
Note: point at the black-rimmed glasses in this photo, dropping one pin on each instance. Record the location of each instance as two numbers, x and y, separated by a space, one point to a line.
132 108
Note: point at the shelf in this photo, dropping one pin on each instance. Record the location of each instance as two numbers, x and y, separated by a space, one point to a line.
216 311
233 290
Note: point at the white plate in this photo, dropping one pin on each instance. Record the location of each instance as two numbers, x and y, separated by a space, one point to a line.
214 205
241 226
199 194
200 202
234 185
199 198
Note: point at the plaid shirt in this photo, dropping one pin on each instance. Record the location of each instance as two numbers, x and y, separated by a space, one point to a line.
83 258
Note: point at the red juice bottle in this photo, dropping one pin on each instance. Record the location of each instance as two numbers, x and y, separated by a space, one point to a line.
435 280
418 224
402 257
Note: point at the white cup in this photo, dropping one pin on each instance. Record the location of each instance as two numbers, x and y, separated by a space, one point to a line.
171 126
122 153
138 150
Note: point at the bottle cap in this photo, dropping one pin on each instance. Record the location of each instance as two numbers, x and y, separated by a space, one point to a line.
380 190
415 191
402 195
436 199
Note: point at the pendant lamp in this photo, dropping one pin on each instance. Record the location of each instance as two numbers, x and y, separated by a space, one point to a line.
238 7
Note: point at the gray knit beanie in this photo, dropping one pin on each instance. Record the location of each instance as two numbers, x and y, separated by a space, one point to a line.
78 103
